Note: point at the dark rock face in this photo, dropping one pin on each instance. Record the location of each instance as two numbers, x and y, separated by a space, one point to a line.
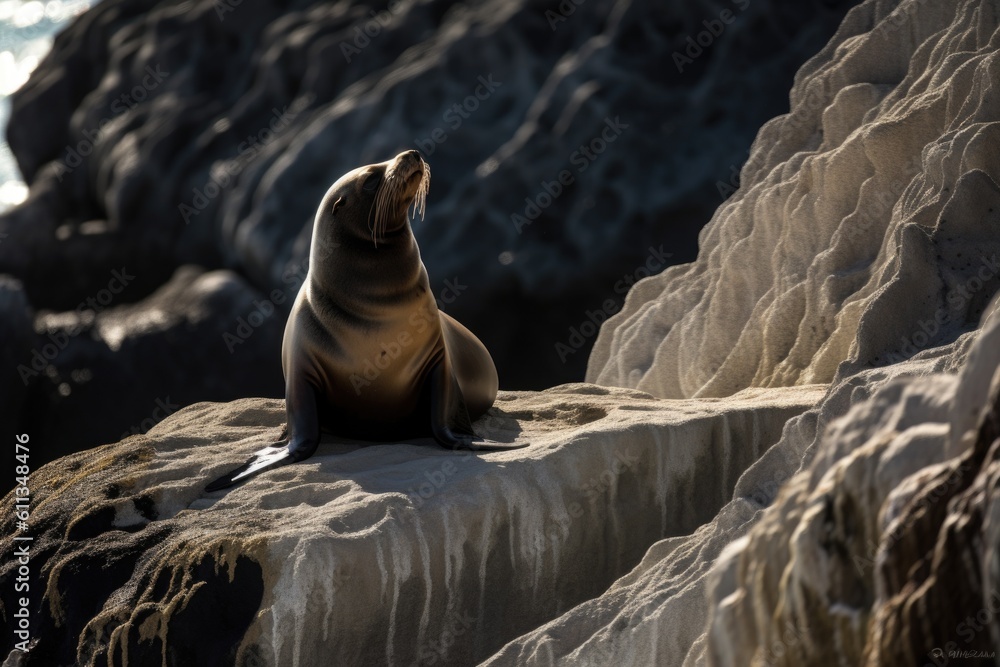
574 149
16 337
193 339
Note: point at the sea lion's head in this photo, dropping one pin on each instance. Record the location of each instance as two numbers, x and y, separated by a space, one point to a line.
372 201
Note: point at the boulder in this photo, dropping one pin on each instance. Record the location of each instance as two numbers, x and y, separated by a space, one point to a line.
137 360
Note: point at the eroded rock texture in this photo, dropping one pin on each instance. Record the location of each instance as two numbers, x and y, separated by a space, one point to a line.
879 550
882 552
659 613
145 108
866 227
385 554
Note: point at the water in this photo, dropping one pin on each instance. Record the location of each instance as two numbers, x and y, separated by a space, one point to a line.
26 31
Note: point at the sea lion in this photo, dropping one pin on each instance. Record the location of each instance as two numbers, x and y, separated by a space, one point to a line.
366 352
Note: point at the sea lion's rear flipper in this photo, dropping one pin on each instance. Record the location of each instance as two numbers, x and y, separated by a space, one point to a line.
303 430
484 445
266 459
450 422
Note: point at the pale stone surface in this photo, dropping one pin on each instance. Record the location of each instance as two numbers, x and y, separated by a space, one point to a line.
865 227
877 552
657 614
342 560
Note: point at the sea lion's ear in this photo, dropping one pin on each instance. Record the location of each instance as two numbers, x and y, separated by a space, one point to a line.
337 204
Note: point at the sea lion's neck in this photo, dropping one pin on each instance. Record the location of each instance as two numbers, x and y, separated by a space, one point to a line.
355 273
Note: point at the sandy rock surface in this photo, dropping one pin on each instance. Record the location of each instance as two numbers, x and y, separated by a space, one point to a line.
385 554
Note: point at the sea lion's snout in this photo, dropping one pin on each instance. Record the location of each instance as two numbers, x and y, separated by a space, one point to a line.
409 166
406 181
411 178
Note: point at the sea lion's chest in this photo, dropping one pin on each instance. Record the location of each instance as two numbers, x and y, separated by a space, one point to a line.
372 364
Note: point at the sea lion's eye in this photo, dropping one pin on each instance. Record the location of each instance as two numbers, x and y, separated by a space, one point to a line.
337 204
371 183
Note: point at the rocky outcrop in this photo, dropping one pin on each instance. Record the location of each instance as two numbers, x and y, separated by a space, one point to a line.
379 554
865 228
153 138
878 549
140 358
849 523
881 551
658 613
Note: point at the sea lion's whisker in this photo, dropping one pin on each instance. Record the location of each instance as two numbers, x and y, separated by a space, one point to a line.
388 193
420 198
379 209
373 211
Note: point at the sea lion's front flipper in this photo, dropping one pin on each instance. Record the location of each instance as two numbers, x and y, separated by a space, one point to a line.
450 422
266 459
303 430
